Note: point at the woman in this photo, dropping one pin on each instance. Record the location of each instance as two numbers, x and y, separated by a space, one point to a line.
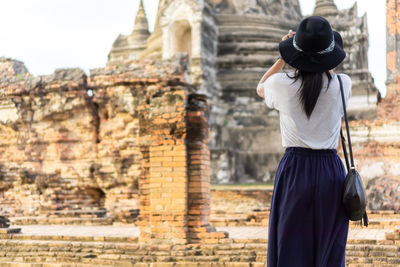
307 224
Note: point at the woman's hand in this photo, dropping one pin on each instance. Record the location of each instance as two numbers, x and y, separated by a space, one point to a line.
289 35
277 67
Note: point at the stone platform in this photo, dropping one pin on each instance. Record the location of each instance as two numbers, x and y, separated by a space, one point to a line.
131 232
70 245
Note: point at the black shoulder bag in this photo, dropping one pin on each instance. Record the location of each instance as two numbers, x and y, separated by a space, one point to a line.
353 199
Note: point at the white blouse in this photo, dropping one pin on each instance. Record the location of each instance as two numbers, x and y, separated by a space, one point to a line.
322 130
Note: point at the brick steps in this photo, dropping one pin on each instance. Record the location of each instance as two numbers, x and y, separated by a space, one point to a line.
383 213
257 220
121 254
134 240
61 220
355 261
361 254
103 251
44 264
238 220
377 219
368 242
137 264
78 213
370 265
378 223
259 217
68 238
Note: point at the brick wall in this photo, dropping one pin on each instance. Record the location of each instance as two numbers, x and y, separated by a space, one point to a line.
122 140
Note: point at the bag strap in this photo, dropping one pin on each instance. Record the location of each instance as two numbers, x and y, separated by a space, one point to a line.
365 217
347 130
345 150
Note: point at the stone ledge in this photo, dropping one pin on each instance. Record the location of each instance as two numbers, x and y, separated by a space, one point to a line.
10 230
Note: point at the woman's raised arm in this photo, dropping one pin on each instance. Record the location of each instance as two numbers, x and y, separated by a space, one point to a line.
277 67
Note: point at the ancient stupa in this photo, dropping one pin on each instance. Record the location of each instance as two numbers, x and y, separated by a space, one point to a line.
326 8
354 31
128 47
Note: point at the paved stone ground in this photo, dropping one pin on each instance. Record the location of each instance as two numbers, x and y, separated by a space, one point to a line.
248 232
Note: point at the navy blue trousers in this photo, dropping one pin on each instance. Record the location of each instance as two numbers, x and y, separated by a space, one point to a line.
307 224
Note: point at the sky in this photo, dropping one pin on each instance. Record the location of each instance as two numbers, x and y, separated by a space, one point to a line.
51 34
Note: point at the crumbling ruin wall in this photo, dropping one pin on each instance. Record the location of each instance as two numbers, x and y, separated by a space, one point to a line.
376 148
48 144
377 142
129 140
71 142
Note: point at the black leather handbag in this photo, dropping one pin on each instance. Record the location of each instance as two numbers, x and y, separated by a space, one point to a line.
353 199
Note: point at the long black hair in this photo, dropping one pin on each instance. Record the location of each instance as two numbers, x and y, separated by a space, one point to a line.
310 88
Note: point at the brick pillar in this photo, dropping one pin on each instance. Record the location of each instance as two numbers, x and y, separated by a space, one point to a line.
389 109
175 189
198 155
164 217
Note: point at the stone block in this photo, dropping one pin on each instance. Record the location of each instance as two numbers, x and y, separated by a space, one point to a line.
10 230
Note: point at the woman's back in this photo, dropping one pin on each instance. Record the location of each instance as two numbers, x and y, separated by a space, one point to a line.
322 130
307 224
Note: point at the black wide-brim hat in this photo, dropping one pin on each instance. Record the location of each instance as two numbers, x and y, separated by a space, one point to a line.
314 48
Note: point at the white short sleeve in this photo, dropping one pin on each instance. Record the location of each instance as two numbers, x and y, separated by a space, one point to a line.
272 93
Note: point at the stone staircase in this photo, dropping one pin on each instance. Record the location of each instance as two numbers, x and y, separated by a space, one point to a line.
95 251
368 253
67 217
52 250
256 217
380 219
259 217
64 246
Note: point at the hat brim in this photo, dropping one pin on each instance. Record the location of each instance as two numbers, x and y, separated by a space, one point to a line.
324 62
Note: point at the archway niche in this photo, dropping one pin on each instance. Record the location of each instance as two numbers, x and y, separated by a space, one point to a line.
181 33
